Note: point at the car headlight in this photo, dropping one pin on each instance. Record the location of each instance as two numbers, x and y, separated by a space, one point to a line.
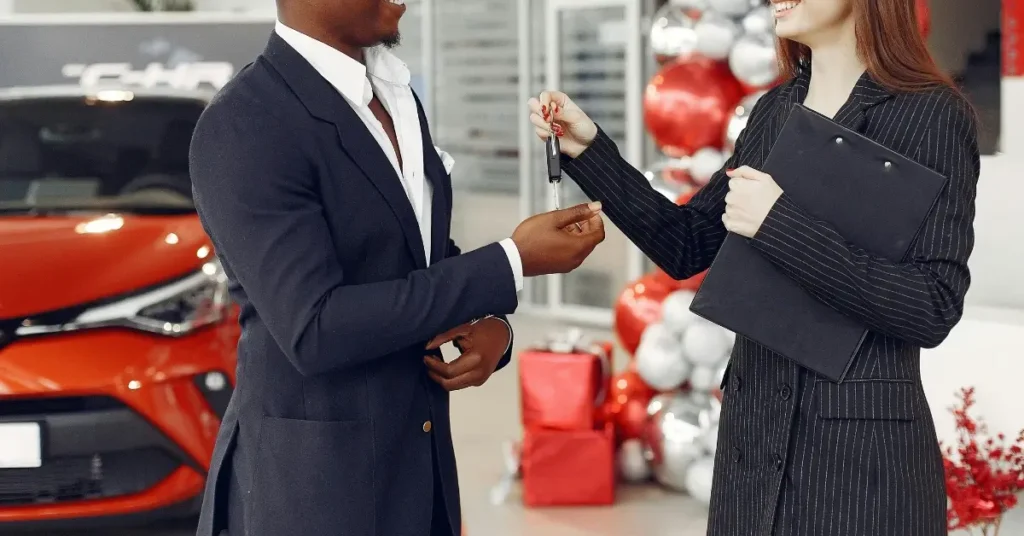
174 309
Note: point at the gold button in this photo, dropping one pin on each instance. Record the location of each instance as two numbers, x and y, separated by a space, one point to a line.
426 426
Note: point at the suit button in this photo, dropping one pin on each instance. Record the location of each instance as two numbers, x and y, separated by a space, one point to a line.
778 462
426 426
735 382
736 455
785 392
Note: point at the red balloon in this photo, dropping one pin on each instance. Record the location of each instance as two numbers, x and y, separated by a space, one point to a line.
631 419
750 90
662 278
678 176
693 283
638 306
924 17
688 104
627 404
628 385
685 197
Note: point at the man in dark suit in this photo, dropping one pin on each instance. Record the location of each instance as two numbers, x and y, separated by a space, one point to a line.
330 208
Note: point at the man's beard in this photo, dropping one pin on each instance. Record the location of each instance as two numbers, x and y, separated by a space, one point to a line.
392 41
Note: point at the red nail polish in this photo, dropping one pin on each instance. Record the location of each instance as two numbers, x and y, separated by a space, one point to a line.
544 109
730 170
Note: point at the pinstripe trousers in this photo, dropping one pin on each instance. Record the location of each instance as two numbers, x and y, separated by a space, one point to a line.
799 455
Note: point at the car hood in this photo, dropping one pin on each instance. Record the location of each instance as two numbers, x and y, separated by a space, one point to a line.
50 263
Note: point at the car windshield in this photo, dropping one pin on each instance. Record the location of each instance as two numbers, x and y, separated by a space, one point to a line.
77 154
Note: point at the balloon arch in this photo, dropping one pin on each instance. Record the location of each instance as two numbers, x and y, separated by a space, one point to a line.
717 58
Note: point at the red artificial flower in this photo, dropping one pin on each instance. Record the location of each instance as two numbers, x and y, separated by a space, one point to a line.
983 475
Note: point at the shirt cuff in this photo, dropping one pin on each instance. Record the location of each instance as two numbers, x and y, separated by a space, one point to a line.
514 260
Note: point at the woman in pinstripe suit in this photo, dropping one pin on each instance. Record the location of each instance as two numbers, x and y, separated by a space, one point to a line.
799 455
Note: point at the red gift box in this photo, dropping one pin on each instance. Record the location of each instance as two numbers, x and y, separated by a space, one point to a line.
569 467
562 387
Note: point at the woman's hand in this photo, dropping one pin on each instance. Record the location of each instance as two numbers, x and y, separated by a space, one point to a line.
752 194
574 129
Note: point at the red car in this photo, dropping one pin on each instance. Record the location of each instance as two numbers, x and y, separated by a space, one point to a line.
117 336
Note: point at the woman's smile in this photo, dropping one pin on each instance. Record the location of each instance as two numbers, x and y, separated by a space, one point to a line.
783 9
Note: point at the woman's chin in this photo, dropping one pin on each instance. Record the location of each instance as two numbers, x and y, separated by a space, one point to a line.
789 31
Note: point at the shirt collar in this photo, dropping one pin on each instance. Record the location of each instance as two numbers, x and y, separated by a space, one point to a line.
347 75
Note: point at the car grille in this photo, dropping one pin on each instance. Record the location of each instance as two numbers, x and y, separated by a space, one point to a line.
94 448
110 474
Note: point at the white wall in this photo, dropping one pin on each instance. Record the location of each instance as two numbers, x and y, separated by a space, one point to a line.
89 6
999 250
236 5
983 351
69 6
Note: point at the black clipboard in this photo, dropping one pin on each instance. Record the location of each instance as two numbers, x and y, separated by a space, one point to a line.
874 197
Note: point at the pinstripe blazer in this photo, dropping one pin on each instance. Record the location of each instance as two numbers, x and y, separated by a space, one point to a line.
798 454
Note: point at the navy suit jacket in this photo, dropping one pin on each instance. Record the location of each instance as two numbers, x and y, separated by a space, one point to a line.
326 431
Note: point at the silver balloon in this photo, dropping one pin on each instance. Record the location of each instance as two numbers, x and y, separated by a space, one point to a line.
673 442
761 20
720 374
733 8
710 439
673 32
632 462
670 177
659 401
704 164
754 61
690 5
738 122
702 378
659 360
705 343
658 331
716 34
698 479
710 414
675 311
711 409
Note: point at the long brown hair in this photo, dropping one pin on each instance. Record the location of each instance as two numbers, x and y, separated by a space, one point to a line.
890 44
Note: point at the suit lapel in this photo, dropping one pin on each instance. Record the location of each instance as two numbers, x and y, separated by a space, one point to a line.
324 102
363 148
866 94
441 205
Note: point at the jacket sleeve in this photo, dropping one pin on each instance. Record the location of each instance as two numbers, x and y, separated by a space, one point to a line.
453 250
920 300
257 193
681 240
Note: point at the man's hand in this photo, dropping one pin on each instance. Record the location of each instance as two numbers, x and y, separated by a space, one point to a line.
482 344
558 242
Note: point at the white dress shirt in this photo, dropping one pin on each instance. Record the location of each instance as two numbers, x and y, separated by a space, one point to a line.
388 77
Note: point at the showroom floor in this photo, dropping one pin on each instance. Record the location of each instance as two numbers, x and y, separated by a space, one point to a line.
486 417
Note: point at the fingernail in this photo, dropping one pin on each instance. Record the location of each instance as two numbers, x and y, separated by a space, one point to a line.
730 170
544 109
595 206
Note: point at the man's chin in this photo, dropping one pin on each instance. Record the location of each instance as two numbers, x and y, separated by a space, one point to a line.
392 41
